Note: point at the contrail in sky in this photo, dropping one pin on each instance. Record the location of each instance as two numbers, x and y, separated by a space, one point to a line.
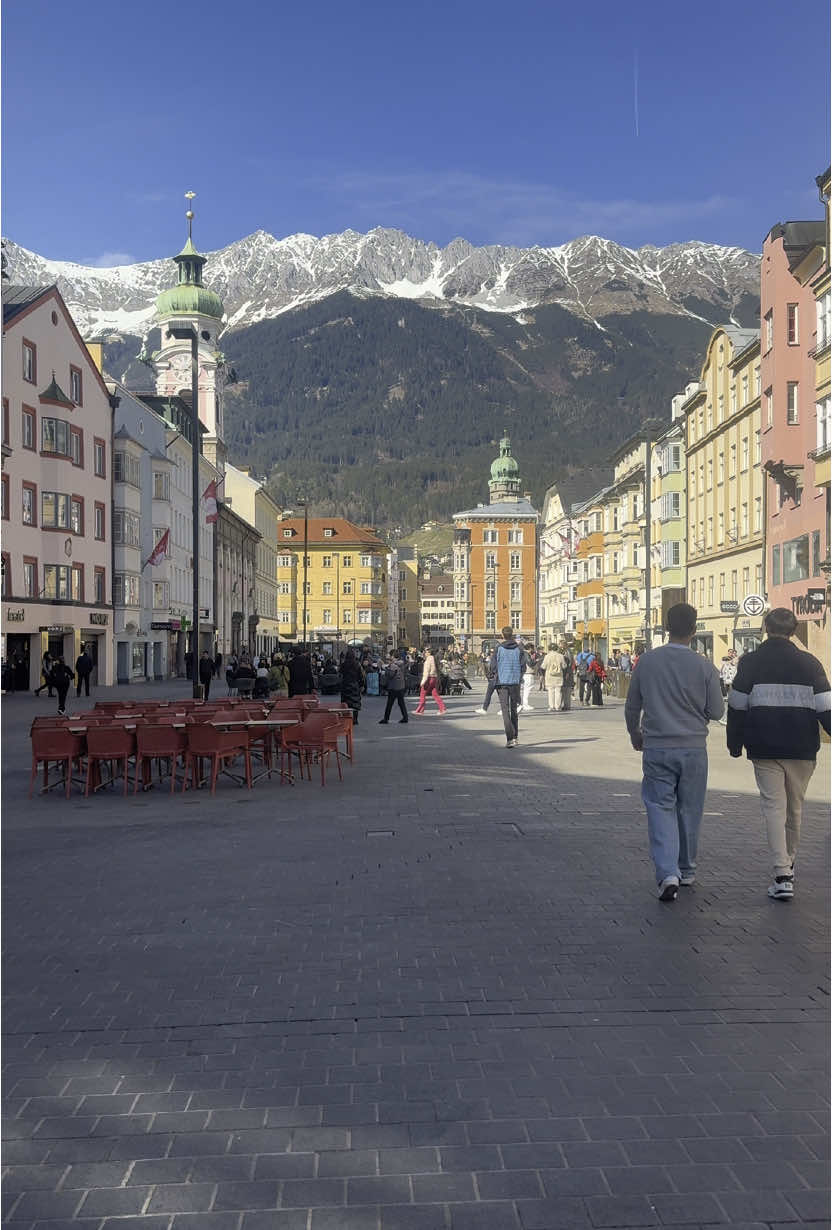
635 88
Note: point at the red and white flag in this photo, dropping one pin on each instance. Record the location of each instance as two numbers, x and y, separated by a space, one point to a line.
209 495
159 551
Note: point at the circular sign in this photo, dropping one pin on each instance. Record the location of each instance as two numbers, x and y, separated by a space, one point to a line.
753 604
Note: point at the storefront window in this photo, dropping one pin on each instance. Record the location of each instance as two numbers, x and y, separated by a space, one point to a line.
138 659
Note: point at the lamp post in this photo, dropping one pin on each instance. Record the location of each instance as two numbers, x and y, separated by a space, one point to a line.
302 500
189 333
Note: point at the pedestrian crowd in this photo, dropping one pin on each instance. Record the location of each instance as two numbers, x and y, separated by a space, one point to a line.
772 701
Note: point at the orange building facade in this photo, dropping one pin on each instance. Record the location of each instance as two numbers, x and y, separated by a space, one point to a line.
495 561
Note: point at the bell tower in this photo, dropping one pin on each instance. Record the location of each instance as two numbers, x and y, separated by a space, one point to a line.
504 484
191 305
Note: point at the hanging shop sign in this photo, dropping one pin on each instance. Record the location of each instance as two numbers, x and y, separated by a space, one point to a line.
813 602
729 608
753 604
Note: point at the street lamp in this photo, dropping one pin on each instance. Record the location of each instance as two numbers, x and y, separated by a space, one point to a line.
303 500
189 333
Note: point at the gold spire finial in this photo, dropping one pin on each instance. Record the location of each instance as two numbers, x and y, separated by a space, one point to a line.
189 213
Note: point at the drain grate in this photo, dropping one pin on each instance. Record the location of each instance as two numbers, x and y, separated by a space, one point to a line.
380 833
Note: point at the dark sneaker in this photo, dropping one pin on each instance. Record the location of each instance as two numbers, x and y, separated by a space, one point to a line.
669 889
383 722
782 889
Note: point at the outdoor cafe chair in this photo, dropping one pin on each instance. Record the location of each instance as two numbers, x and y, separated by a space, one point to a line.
54 745
113 745
158 742
342 715
221 747
319 736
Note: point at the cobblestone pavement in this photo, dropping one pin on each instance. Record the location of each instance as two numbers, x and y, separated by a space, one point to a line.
441 995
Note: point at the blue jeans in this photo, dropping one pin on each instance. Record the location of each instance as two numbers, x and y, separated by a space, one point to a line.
673 791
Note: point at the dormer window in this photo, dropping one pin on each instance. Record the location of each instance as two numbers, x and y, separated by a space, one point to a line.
288 533
329 532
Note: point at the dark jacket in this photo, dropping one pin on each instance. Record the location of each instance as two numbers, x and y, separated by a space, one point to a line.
352 681
300 675
83 665
62 676
394 677
206 670
778 696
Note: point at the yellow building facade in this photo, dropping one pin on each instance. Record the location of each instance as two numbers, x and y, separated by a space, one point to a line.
725 494
345 576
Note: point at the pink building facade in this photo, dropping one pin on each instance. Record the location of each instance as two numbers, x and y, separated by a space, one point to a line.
57 492
796 522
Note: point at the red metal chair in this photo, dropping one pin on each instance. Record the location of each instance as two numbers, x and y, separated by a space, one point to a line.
53 745
343 716
158 742
221 747
110 744
319 736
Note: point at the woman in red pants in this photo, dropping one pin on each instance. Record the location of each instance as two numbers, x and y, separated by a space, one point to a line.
430 684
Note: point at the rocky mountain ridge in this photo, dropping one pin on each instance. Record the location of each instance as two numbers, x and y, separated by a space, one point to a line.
261 277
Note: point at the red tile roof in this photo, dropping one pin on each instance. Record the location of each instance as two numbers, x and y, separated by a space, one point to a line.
345 533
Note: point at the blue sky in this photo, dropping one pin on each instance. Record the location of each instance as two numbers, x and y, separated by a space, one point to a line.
524 122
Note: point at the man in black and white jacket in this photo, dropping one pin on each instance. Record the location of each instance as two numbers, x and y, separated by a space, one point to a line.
778 696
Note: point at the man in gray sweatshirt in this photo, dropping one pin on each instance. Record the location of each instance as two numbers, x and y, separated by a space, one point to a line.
673 695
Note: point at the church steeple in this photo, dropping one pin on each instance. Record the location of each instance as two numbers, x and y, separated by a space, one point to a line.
504 484
190 303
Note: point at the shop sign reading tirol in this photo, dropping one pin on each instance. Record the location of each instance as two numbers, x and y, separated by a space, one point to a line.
813 602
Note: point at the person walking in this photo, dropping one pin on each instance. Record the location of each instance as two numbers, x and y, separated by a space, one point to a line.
508 664
491 684
394 682
301 682
528 681
46 665
596 676
673 694
206 673
582 662
61 677
553 667
429 685
779 695
568 679
217 664
352 683
727 671
83 670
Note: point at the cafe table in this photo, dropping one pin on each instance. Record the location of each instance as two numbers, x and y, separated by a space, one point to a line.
270 724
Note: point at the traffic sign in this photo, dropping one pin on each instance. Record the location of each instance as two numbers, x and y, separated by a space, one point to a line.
753 604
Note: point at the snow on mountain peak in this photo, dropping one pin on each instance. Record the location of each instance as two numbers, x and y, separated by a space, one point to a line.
260 276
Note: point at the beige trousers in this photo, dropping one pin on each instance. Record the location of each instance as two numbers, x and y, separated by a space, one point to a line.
555 694
782 785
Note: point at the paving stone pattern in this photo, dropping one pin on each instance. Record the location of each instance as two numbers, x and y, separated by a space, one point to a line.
441 995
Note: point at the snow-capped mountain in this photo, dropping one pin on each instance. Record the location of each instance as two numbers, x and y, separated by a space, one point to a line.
261 277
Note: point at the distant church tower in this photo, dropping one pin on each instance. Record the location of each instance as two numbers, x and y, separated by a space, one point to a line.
504 484
190 304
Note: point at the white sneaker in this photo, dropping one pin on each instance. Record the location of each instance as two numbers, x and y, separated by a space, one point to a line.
669 888
687 880
480 710
782 889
